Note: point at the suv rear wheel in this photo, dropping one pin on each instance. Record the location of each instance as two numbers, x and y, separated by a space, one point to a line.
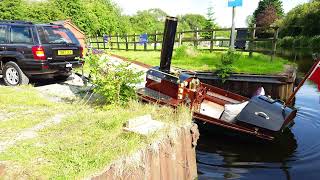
13 75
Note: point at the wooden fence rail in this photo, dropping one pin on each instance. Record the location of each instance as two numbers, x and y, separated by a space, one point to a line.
205 39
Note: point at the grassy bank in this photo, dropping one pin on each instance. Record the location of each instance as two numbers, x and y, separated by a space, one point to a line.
203 61
75 140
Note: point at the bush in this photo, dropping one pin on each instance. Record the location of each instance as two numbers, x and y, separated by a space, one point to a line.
227 59
300 41
286 42
185 51
315 43
115 82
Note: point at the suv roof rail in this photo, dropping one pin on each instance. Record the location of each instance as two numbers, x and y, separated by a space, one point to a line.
15 22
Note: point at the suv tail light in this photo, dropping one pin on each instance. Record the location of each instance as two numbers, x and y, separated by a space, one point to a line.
38 53
81 52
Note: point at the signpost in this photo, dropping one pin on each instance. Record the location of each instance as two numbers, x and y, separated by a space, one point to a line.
105 38
233 4
143 38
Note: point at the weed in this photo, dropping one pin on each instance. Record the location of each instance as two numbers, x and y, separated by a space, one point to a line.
227 61
115 82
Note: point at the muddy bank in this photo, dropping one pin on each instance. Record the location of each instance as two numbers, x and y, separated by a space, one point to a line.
172 157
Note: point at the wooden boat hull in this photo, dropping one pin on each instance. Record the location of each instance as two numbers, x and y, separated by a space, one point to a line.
214 129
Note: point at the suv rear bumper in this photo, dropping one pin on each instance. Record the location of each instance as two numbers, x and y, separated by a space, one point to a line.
43 68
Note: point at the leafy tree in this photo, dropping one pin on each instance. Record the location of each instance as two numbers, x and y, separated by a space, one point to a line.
269 5
11 9
210 23
194 21
126 26
250 21
43 11
267 17
148 20
302 20
210 14
267 13
98 17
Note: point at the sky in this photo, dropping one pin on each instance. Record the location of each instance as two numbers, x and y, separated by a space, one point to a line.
223 14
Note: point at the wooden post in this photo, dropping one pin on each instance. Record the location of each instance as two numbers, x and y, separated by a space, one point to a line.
134 42
253 36
98 44
145 45
295 52
155 40
118 46
196 36
90 41
127 45
180 38
213 34
104 43
110 40
274 43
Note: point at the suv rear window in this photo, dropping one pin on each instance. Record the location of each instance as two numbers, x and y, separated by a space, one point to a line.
20 34
56 35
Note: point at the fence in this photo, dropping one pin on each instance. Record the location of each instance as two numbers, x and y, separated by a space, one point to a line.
208 39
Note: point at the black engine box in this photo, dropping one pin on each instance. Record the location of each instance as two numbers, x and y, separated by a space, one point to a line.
267 113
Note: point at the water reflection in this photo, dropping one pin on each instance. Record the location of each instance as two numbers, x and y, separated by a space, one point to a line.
296 155
230 158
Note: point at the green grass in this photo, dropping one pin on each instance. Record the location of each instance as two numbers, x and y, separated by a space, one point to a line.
85 142
204 61
21 110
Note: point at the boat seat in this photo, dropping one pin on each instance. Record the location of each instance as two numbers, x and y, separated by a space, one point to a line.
211 109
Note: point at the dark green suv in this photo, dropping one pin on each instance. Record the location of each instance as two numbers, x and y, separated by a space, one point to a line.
37 50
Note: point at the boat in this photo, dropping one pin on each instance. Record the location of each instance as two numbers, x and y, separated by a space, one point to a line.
214 109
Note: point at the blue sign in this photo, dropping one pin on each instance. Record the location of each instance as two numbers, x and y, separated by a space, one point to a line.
143 38
105 38
234 3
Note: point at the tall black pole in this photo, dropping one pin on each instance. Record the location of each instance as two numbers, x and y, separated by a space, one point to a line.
168 43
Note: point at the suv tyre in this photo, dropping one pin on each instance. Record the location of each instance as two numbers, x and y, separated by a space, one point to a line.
13 76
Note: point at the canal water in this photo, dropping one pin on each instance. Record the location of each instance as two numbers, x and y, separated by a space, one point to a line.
296 156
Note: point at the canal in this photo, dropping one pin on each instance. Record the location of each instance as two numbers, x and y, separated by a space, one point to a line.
296 156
